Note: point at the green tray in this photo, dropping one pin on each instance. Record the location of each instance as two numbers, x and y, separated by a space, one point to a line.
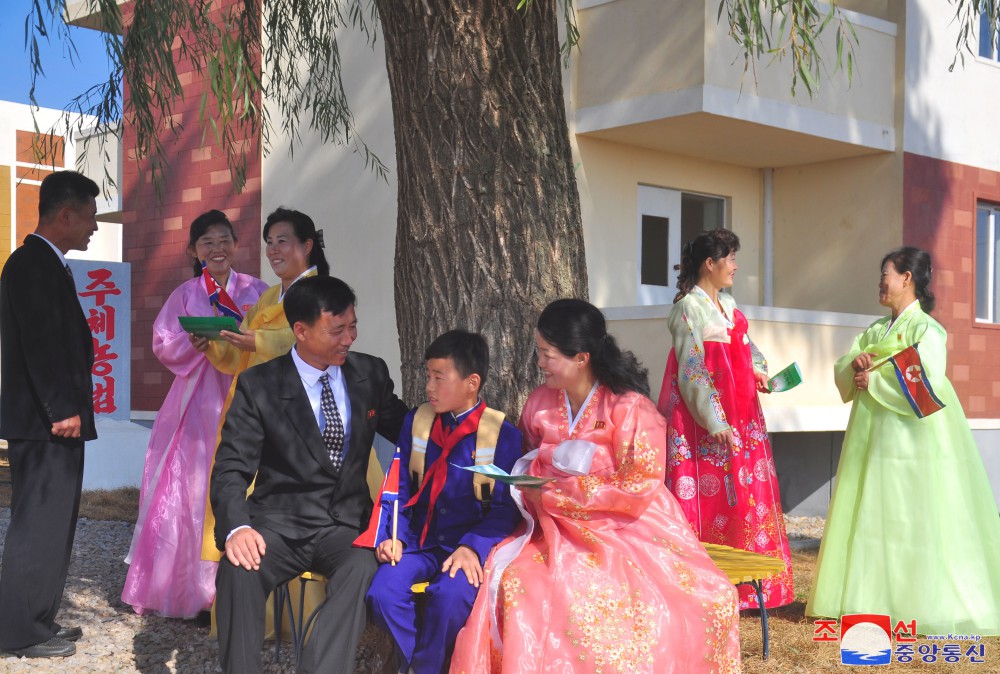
208 326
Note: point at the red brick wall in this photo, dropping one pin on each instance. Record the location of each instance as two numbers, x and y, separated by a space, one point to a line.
155 229
939 214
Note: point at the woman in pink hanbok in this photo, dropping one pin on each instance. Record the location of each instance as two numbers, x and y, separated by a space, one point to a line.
607 576
719 462
166 574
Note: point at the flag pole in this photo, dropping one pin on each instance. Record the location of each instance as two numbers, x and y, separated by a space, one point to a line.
395 518
886 360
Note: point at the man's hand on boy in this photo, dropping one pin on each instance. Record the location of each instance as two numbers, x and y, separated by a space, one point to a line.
386 553
466 559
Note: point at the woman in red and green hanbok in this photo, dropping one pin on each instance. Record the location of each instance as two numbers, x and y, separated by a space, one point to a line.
719 462
912 530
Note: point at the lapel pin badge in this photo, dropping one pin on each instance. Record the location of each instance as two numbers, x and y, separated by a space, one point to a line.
599 425
371 414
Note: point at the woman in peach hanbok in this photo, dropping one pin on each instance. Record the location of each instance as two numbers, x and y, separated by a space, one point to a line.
607 576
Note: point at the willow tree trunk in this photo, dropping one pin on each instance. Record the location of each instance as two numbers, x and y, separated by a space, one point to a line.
489 226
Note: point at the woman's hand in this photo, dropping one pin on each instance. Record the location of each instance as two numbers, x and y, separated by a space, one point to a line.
761 379
725 436
863 362
861 380
200 343
245 342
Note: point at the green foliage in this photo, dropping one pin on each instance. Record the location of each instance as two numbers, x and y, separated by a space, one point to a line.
301 63
569 21
967 17
102 101
800 23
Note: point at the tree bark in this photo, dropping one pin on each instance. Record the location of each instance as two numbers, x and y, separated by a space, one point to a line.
489 227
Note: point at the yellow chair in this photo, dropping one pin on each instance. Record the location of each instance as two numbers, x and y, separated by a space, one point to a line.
742 567
311 595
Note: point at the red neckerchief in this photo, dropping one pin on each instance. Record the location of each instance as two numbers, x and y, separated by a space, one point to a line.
438 473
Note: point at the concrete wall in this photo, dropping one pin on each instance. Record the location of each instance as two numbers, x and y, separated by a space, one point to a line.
833 222
354 207
935 126
813 339
19 182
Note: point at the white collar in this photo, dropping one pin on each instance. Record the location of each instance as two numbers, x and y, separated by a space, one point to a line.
308 272
902 313
311 375
458 416
579 413
708 298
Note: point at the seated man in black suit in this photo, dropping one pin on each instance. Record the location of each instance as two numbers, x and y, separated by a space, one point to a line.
303 424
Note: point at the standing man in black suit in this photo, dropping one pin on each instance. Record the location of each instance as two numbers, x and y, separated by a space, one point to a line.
46 414
304 424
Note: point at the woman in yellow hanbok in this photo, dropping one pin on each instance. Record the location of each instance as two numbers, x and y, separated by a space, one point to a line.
295 250
912 530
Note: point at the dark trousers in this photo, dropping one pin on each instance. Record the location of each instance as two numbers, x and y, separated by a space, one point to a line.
46 478
423 645
241 597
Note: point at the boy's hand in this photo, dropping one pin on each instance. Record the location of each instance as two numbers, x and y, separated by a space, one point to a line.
466 559
386 553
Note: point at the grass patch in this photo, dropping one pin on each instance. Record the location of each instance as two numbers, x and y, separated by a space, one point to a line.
794 651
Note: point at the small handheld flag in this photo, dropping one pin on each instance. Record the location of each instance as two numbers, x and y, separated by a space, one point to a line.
375 533
218 296
913 380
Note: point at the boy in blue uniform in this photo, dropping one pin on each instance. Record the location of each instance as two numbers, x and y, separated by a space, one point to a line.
449 518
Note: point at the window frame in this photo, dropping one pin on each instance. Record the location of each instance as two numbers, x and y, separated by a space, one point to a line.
993 46
993 264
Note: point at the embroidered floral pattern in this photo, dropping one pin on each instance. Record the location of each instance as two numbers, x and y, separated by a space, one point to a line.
511 590
756 434
678 450
695 370
714 452
720 414
614 626
759 361
721 628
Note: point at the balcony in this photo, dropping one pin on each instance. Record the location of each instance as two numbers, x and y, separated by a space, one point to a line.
665 75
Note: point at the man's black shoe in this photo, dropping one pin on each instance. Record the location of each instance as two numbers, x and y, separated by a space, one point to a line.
69 633
53 648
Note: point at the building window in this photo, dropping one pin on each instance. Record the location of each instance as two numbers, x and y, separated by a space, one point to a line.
987 259
668 219
989 40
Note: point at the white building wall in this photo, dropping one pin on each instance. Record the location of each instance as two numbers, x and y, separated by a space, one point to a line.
355 208
14 117
947 113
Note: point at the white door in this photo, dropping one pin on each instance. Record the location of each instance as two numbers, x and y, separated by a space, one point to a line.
659 249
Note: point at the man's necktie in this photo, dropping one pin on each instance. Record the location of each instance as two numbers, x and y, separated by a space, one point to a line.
333 432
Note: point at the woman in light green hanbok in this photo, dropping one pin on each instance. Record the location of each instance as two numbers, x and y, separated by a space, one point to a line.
912 530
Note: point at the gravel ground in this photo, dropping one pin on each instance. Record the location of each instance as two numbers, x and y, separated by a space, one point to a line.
804 532
117 640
